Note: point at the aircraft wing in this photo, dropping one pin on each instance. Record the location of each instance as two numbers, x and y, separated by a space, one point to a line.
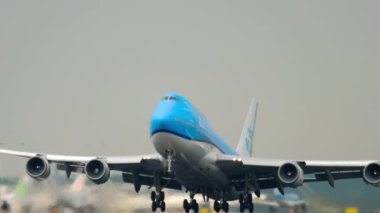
81 159
119 163
265 172
141 166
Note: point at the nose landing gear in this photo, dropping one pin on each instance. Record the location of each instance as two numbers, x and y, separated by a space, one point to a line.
170 159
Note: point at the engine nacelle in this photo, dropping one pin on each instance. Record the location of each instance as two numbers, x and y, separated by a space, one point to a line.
371 174
97 171
38 167
290 174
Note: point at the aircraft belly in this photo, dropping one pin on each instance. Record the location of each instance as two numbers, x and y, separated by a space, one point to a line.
193 164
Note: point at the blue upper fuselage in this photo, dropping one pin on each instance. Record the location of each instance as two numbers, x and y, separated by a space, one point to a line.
176 115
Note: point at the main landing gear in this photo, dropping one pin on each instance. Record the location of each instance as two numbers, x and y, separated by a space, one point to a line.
245 201
158 201
158 196
192 205
223 205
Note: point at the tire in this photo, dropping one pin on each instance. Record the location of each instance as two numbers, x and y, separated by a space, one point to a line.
185 204
225 207
249 198
216 206
154 206
161 196
250 207
242 207
241 198
187 210
153 196
196 207
163 206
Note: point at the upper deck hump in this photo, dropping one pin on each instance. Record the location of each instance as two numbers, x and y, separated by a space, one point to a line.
176 115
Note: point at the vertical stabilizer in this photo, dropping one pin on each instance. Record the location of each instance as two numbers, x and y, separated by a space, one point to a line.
244 147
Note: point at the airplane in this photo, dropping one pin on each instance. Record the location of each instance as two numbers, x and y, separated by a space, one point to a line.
192 156
274 201
291 200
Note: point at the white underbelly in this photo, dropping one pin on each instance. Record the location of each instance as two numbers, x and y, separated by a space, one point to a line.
194 161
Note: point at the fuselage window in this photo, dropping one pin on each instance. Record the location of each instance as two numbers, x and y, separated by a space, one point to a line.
170 98
173 98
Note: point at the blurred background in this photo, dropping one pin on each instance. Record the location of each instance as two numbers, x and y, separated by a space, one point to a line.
84 77
78 195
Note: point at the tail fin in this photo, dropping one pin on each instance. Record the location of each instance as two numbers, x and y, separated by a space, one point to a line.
244 147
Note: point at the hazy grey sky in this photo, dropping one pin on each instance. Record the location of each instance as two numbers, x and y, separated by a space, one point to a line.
83 77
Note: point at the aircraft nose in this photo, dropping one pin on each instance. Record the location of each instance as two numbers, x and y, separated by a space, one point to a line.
159 124
162 119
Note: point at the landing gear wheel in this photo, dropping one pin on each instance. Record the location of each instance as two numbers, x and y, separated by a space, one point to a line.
161 196
163 206
241 198
153 196
154 206
250 207
225 206
242 208
245 201
216 206
249 198
194 206
186 205
158 201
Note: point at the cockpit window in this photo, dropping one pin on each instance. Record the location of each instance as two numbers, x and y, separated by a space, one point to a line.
170 98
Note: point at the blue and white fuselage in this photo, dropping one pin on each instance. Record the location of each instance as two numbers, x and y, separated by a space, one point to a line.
193 156
179 127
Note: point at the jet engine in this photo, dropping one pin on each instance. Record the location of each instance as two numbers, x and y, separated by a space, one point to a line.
371 173
97 171
38 167
290 174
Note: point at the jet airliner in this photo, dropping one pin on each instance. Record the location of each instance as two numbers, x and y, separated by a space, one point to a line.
192 156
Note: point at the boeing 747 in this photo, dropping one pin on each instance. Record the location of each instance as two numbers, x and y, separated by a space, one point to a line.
192 156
